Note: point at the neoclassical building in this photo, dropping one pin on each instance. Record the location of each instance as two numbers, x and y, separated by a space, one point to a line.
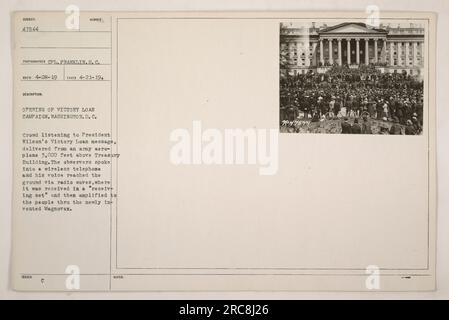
391 49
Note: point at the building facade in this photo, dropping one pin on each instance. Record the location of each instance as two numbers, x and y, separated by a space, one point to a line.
390 49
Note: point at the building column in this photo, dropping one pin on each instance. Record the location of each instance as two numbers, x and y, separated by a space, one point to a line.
367 51
415 48
348 48
321 52
307 53
298 53
290 48
407 55
420 49
399 53
391 53
340 62
357 51
331 60
384 51
314 44
375 50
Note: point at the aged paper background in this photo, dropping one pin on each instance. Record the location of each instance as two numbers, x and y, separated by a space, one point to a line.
337 204
329 190
310 159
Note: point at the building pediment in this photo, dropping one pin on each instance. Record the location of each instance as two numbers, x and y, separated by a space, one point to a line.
353 27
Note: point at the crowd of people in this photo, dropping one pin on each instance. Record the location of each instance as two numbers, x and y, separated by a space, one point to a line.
355 96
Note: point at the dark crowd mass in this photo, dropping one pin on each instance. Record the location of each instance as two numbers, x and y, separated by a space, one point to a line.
356 98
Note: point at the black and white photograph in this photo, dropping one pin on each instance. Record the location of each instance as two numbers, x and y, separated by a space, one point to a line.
186 152
352 77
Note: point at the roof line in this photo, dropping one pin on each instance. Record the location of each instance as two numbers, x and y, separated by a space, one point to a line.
361 24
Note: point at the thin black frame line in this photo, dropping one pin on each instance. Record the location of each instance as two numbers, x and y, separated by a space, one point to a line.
116 146
111 181
280 20
65 64
66 31
227 274
260 268
24 80
51 47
